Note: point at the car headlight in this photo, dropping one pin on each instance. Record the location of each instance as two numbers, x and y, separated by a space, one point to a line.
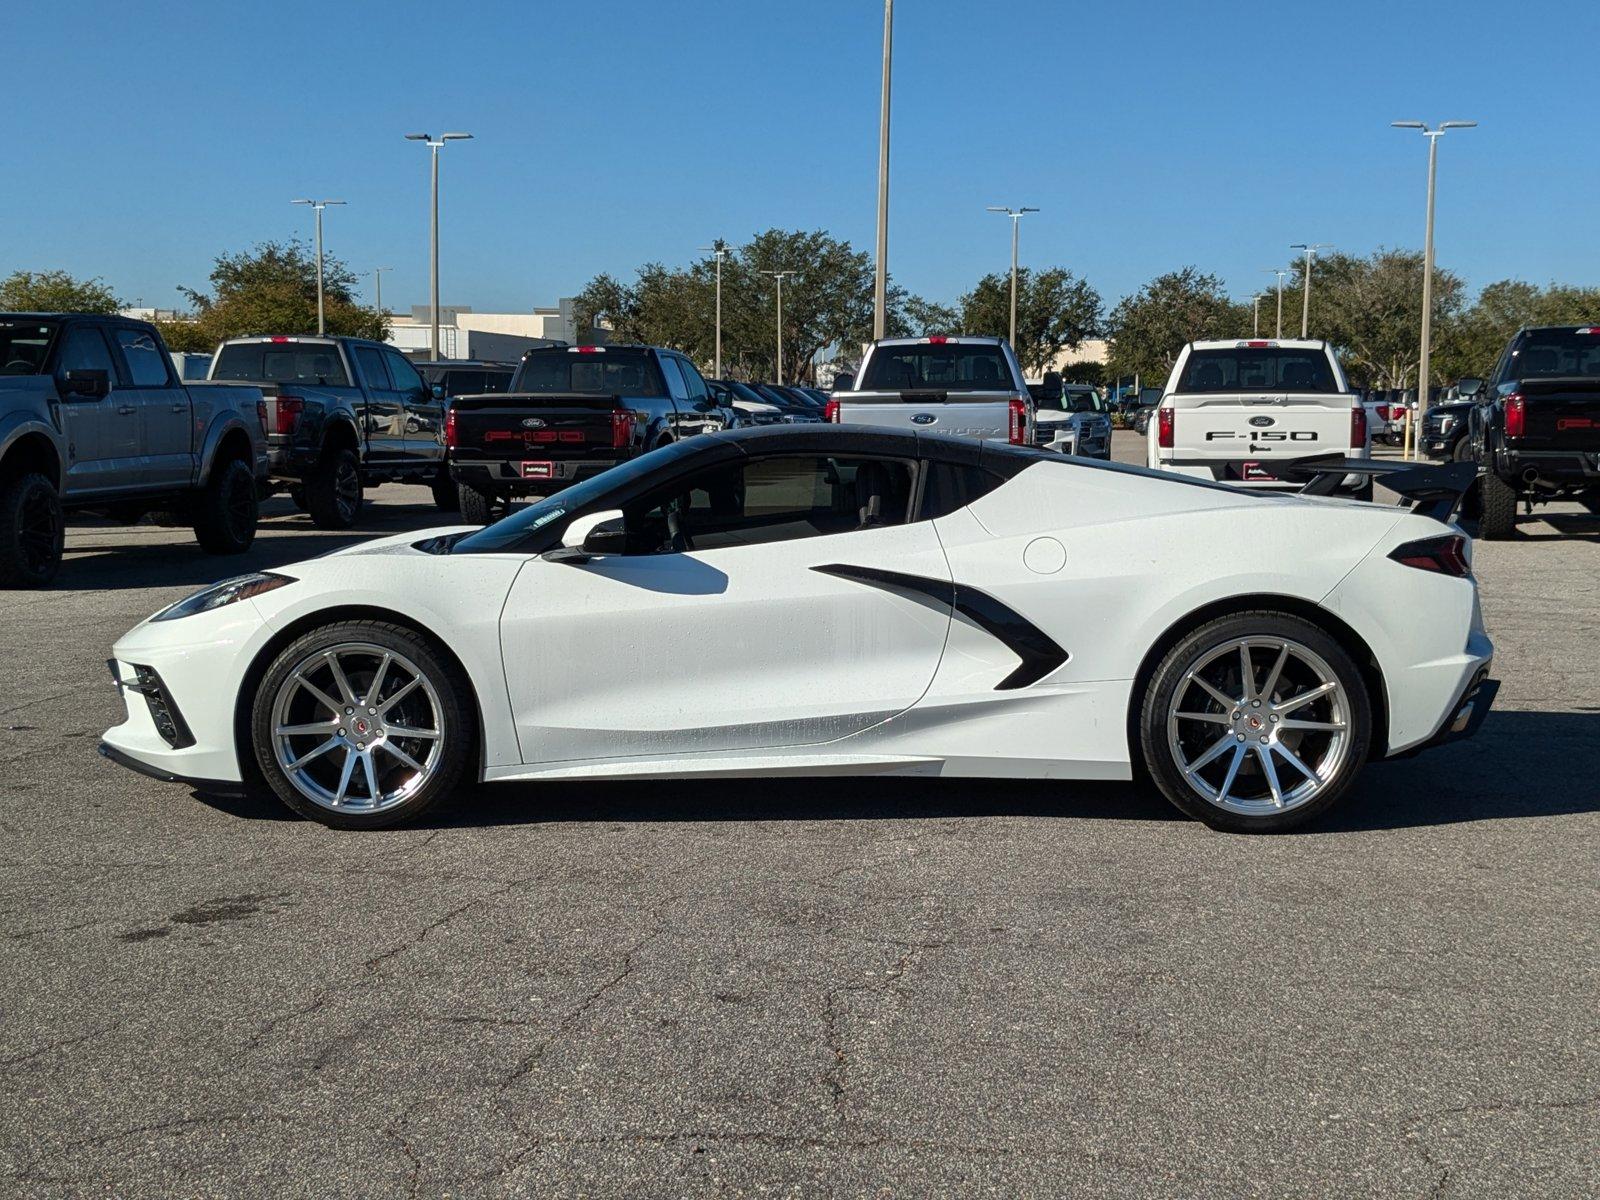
242 587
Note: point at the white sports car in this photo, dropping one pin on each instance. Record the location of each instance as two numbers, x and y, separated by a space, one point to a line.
834 600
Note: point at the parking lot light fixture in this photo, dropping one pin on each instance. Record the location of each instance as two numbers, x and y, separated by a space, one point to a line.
880 270
317 206
1016 215
377 284
1424 365
1280 273
434 143
1255 314
778 275
1310 249
720 249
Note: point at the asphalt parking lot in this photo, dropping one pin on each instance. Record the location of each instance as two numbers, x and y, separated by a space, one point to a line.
803 987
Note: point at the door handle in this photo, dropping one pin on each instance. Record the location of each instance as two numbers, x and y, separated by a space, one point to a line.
179 407
126 410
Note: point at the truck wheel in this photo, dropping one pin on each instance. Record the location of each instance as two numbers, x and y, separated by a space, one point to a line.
1498 504
333 493
446 497
1591 501
481 508
226 510
32 532
1463 451
297 497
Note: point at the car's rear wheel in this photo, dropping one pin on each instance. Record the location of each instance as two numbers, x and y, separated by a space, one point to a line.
227 510
32 531
1497 505
333 493
482 508
446 496
363 725
1255 723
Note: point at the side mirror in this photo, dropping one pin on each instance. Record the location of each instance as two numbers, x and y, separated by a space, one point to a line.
590 536
94 384
437 391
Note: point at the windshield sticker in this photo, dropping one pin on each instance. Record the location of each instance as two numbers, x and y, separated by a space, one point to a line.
545 518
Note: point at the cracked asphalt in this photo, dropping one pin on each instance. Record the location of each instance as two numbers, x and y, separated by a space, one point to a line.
803 988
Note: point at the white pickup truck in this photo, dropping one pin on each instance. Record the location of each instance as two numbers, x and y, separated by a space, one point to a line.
1242 411
964 386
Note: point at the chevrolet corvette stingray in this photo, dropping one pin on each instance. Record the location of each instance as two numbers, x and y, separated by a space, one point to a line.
836 600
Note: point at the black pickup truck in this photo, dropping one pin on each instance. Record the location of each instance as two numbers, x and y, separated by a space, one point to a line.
572 412
1535 430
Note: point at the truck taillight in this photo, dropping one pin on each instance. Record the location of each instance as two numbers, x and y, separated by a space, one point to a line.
1018 432
830 411
1164 423
286 414
450 434
1516 414
621 428
1358 427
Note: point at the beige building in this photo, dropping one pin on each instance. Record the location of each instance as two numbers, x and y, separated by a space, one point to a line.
1095 350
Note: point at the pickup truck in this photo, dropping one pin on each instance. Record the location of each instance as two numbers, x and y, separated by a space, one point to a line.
1535 426
570 413
343 414
93 417
1242 412
1071 418
963 386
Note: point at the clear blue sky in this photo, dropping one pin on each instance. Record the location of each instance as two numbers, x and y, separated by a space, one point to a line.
147 138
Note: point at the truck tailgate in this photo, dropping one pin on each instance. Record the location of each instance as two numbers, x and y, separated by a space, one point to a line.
1560 414
961 414
1259 429
543 427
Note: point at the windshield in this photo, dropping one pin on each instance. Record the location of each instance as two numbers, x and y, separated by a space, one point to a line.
1554 353
25 345
601 372
1244 369
949 366
746 393
1075 400
315 363
505 534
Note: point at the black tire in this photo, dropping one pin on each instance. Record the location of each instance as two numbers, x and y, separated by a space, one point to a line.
457 713
1463 451
1591 501
481 508
1497 502
1162 691
226 510
297 497
446 497
32 532
333 493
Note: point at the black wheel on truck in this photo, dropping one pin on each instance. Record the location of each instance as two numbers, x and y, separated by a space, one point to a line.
333 493
481 508
446 497
32 531
297 497
226 510
1497 503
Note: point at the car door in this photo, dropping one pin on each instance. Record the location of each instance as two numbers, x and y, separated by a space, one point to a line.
422 417
677 398
163 453
750 611
384 421
102 433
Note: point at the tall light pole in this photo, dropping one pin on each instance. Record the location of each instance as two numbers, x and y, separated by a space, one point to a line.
1424 370
433 237
778 275
377 284
720 249
1016 215
317 206
880 278
1310 249
1280 273
1255 319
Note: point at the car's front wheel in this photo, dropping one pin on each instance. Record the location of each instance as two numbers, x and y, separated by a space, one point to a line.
363 725
1256 722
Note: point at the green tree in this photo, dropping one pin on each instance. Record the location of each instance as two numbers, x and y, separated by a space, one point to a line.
273 289
925 318
1148 328
1056 311
56 291
1092 373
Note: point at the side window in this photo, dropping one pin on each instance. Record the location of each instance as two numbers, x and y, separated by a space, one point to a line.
775 499
147 365
952 486
83 348
370 363
675 385
693 381
403 374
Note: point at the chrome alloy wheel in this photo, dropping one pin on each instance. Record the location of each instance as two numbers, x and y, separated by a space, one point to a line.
357 727
1259 725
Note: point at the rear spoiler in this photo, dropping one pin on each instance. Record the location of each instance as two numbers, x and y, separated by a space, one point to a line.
1435 491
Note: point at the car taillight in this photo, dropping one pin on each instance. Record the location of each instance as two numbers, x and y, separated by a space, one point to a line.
1164 422
286 414
1446 555
621 428
1358 427
1516 414
450 434
830 411
1018 433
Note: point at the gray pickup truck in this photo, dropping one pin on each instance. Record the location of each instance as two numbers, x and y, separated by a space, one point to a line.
92 416
963 386
343 414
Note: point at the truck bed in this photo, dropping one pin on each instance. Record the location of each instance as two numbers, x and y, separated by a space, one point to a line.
536 441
